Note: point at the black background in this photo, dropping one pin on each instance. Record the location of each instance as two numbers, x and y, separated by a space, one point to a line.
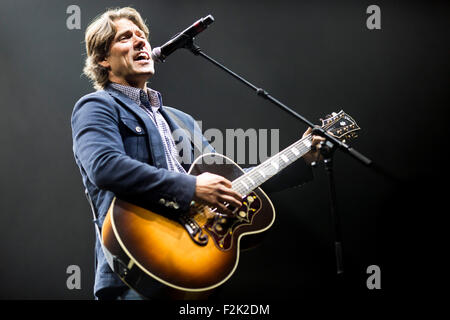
315 56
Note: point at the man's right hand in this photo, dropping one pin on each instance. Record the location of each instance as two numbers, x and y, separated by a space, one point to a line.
214 190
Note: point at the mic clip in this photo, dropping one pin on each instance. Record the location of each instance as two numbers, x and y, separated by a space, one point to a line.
190 45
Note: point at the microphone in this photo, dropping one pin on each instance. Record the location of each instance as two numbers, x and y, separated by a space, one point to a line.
159 54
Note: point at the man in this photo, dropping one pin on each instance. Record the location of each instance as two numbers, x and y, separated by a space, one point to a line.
122 138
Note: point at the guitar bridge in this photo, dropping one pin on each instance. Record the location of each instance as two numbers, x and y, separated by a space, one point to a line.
194 230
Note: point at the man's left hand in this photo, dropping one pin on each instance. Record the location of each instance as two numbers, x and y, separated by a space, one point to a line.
314 154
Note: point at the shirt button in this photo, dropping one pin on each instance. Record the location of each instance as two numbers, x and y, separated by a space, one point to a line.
162 201
138 129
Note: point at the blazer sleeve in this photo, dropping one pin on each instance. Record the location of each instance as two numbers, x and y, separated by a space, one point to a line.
99 148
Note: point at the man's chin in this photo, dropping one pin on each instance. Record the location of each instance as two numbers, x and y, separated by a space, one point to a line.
147 71
142 73
144 65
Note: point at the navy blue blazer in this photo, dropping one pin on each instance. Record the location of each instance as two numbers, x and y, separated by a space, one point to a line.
119 152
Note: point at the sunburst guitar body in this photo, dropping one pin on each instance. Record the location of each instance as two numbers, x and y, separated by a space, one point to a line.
163 249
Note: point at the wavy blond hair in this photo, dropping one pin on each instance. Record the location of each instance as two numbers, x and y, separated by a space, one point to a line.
98 38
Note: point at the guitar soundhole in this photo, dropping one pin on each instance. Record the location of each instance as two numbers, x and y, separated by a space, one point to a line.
222 228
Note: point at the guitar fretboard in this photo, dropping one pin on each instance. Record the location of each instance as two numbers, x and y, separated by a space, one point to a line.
272 166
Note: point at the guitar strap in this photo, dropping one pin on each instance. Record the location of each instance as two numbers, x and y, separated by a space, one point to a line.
95 220
110 258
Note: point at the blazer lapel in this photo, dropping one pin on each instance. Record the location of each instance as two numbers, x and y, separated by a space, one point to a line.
181 138
154 138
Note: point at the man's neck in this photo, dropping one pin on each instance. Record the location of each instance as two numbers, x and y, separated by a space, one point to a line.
136 84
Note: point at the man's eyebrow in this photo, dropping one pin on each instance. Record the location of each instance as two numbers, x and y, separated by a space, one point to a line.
118 35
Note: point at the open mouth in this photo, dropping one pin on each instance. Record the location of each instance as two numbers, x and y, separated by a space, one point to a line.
142 56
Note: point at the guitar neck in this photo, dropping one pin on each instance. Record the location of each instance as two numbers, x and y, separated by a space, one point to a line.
272 166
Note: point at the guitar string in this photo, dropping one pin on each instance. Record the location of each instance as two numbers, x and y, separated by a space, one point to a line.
299 145
267 166
263 166
268 163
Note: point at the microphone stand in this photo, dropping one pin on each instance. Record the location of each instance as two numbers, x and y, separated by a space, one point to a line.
327 148
327 151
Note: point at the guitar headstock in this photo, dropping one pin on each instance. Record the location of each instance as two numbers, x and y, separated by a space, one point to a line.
341 125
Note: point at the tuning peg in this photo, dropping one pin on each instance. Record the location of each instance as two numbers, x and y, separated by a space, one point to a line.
351 135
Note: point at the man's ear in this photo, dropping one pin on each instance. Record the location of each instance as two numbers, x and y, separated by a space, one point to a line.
105 63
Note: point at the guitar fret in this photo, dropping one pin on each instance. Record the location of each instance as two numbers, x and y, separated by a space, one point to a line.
307 143
272 166
275 165
278 162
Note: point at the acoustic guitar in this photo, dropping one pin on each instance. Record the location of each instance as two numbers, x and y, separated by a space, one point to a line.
199 250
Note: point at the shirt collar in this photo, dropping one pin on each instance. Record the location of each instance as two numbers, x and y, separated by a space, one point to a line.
134 94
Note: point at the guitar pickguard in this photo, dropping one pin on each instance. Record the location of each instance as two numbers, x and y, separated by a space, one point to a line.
222 228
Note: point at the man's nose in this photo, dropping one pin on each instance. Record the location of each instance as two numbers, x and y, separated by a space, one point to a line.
139 43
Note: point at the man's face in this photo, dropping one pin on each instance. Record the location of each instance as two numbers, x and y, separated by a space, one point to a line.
129 61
